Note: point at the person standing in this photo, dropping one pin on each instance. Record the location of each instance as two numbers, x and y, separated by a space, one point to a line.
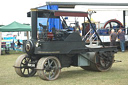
113 37
13 44
18 43
121 37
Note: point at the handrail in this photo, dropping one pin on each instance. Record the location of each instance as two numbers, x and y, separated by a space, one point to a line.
86 35
93 34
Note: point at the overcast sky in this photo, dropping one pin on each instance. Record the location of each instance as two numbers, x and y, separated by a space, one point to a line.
16 10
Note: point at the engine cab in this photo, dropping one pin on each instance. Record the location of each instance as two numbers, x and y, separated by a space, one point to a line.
51 37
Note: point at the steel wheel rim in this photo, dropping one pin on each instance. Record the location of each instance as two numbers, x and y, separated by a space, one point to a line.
25 69
22 68
103 63
50 69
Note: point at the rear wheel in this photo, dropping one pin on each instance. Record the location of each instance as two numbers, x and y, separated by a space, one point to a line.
22 67
48 68
103 61
100 61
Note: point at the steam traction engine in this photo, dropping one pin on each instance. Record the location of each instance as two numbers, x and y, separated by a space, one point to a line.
48 52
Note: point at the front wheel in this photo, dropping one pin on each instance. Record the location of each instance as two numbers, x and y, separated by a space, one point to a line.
22 67
48 68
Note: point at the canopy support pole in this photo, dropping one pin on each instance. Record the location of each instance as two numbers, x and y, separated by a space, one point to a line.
27 35
124 18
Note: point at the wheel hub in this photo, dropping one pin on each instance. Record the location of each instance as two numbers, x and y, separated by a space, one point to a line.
48 69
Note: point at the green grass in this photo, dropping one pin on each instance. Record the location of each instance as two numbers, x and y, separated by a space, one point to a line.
118 74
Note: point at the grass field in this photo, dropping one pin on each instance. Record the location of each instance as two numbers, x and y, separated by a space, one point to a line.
118 75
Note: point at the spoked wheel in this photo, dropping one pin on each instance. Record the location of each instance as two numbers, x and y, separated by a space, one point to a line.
114 22
103 61
99 61
22 67
48 68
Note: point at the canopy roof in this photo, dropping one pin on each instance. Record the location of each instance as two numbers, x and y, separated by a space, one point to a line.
15 27
73 4
56 13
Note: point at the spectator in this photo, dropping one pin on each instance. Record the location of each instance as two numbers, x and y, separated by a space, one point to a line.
13 45
113 37
18 43
121 37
